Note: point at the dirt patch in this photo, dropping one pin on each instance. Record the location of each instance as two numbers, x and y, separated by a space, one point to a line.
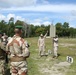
57 69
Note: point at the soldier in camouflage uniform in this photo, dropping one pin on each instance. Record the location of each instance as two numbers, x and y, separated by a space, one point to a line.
4 43
55 45
41 44
2 54
18 50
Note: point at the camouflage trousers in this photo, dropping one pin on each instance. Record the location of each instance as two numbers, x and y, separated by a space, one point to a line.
55 50
2 67
41 50
16 68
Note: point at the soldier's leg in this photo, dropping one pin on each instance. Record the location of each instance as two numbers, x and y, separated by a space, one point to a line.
43 50
19 69
40 48
13 70
55 51
23 73
14 73
2 70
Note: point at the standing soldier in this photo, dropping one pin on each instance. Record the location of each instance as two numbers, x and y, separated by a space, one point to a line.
4 39
2 60
41 44
55 44
18 50
4 43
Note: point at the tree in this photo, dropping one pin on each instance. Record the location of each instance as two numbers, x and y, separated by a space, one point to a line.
3 27
11 20
62 30
31 30
39 31
72 32
59 29
66 25
18 22
11 26
66 29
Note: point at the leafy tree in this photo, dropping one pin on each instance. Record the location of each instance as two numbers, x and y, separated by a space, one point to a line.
31 30
18 22
11 20
59 29
11 26
72 32
3 26
39 31
66 29
66 25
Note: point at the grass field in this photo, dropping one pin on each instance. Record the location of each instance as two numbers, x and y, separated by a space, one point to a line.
44 65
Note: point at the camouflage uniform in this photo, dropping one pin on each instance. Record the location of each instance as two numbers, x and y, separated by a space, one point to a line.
55 42
4 43
41 44
18 50
2 60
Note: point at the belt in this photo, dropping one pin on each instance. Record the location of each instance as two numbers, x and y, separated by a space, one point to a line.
17 59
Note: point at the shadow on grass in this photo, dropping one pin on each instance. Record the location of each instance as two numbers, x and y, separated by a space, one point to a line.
58 55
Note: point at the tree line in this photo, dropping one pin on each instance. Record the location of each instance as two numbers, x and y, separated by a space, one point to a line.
30 30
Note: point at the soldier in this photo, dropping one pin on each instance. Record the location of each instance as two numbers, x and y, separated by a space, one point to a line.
4 38
55 44
41 44
18 50
4 43
2 60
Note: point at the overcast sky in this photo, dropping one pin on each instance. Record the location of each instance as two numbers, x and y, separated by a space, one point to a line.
39 12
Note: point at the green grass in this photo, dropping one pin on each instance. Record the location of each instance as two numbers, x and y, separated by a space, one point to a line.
69 50
35 63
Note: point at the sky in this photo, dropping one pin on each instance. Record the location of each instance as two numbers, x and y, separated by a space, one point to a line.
39 12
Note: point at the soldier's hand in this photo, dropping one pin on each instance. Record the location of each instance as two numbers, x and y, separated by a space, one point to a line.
14 70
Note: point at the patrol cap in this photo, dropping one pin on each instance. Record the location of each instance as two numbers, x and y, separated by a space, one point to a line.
19 27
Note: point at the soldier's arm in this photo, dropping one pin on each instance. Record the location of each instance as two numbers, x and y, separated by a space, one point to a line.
7 46
45 34
56 40
26 52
